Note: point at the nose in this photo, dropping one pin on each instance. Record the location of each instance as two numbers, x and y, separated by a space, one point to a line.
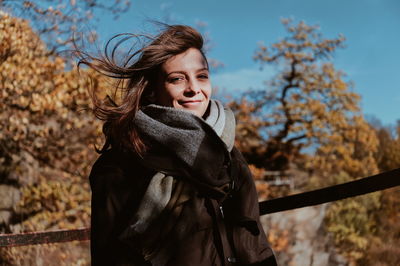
192 88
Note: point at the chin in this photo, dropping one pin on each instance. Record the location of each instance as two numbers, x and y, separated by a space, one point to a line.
196 112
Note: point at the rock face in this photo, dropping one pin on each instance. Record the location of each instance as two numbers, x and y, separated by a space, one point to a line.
307 243
9 196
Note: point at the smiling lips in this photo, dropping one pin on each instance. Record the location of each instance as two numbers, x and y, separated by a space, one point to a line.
190 102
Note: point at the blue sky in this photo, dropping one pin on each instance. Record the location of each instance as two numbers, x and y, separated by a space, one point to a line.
372 29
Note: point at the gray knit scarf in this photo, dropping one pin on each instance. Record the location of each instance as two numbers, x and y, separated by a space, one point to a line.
184 133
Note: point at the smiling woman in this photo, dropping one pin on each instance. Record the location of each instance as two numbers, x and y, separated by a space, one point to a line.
169 187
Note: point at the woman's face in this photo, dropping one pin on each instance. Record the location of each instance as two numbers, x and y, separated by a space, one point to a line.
185 83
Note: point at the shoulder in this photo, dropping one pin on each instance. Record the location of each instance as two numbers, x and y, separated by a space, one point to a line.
107 162
114 168
108 159
237 155
239 160
240 168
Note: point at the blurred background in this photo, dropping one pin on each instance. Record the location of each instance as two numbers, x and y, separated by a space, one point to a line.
313 85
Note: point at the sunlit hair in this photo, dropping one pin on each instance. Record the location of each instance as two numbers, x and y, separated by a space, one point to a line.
137 78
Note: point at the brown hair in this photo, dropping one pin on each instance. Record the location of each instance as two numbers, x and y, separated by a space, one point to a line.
136 77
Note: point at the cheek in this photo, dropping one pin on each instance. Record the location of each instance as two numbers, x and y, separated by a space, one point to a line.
166 95
208 92
173 93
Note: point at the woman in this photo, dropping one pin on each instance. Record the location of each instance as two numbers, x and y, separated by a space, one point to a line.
169 187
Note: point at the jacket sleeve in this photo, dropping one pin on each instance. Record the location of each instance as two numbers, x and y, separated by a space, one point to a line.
111 205
253 247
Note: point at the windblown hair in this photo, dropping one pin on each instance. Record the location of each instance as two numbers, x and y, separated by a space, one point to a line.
136 79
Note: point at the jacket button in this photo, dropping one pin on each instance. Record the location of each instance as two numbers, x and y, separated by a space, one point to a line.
226 165
231 259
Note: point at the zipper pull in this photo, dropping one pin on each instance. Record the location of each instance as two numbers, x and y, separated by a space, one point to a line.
222 211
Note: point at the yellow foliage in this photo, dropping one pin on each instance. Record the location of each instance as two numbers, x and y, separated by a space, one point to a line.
61 254
47 130
55 205
352 224
309 104
45 108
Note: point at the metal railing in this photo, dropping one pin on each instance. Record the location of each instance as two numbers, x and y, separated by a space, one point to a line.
350 189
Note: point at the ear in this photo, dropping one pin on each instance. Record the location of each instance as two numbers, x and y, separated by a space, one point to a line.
150 91
151 97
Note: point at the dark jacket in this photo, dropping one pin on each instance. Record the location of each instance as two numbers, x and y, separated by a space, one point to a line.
206 230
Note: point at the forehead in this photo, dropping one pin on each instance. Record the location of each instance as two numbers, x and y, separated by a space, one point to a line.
190 60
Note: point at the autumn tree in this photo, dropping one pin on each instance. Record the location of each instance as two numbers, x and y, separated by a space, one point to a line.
47 133
60 22
384 247
43 105
309 116
366 228
307 104
388 153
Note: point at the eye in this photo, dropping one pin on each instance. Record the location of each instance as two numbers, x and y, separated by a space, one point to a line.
175 79
203 76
